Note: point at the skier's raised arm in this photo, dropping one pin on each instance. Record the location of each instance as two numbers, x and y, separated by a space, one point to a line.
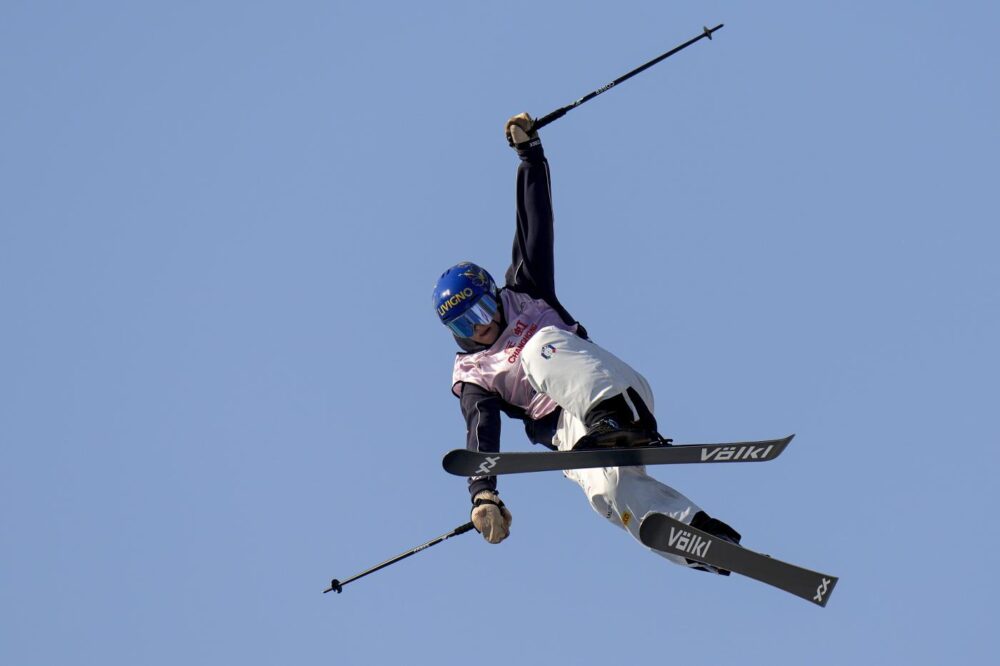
532 268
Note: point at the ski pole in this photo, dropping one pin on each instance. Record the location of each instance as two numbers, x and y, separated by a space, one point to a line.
339 585
559 113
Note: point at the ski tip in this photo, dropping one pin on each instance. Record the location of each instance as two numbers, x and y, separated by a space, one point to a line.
782 444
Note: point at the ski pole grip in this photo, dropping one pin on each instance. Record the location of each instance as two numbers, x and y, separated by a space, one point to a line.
464 528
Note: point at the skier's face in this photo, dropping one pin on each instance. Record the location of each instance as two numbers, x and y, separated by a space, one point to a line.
487 334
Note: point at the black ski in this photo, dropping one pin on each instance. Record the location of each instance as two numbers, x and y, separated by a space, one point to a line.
665 534
463 462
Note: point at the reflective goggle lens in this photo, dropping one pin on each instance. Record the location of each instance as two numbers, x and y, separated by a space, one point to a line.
480 313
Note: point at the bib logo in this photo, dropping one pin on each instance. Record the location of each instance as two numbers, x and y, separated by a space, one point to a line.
548 351
454 300
514 349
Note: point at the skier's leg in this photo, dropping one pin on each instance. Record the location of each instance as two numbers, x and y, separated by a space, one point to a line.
575 372
593 385
624 495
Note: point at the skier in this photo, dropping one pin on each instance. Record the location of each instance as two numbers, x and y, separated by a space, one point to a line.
524 355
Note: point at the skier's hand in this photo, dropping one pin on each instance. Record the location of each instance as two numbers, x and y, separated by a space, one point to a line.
519 130
490 516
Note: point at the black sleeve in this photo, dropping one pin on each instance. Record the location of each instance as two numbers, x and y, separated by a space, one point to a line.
481 410
532 269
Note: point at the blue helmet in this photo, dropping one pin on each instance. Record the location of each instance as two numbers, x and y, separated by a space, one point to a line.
465 295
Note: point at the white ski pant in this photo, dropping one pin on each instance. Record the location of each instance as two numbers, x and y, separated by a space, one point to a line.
577 374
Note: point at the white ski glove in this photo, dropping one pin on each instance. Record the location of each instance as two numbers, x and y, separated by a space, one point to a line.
518 130
490 516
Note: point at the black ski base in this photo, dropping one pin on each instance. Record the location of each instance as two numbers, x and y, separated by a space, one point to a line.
668 535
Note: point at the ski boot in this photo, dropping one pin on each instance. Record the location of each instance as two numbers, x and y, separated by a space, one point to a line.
716 528
611 424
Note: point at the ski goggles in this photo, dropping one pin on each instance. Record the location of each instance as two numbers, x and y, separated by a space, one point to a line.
481 312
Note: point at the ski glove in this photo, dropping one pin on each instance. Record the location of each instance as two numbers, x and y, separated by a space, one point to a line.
518 130
490 516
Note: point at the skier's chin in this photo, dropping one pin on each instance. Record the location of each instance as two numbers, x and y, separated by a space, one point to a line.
490 336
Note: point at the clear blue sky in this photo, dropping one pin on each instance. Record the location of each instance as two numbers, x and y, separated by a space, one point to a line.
222 384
